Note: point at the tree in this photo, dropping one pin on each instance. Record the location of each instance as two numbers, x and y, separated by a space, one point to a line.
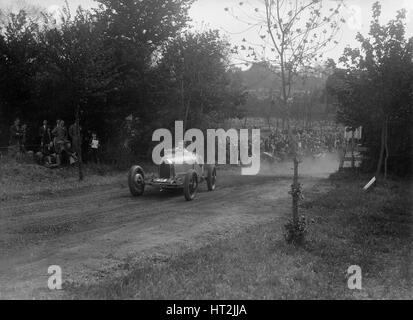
19 53
375 88
294 35
75 55
118 69
197 68
137 31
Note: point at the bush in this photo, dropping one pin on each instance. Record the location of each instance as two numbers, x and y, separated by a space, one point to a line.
295 233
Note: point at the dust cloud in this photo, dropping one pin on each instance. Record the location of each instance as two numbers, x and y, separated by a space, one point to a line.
319 167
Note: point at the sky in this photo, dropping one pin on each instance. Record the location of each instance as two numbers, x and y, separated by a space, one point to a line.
211 14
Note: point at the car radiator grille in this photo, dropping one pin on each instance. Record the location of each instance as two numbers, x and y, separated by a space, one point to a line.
165 171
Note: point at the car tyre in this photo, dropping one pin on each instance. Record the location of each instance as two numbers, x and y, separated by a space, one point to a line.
190 185
136 181
211 178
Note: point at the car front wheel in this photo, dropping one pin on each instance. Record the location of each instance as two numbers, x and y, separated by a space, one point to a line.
136 181
190 185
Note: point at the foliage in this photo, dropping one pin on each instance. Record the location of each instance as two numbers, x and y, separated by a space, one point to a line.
199 77
375 90
295 232
116 61
309 99
294 35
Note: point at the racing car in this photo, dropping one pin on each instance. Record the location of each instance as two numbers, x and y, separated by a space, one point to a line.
185 172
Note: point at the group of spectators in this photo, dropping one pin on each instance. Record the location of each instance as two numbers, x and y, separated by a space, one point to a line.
310 142
57 145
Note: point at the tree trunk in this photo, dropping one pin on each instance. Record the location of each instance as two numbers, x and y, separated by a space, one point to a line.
79 146
188 106
295 187
342 154
184 107
382 146
353 161
386 147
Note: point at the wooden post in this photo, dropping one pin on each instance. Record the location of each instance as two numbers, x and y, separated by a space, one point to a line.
352 150
295 187
342 151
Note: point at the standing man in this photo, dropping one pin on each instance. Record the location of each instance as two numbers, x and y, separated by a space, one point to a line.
94 148
60 140
54 133
45 137
15 138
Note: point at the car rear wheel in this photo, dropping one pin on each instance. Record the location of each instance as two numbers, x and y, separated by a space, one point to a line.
190 185
136 181
211 178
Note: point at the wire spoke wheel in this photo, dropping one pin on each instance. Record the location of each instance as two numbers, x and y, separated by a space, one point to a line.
136 181
190 185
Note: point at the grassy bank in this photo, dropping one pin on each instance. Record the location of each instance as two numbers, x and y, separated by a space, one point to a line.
22 179
372 230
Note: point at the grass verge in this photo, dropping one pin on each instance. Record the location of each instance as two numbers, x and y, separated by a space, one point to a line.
372 230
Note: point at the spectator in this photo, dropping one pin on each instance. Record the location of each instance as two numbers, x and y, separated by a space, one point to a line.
45 138
310 141
61 141
54 132
94 148
15 138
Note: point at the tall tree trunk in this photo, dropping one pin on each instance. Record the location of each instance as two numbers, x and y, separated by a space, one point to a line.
353 161
295 195
382 146
386 147
295 188
187 108
184 107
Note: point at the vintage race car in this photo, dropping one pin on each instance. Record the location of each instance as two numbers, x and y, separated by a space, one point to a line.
185 173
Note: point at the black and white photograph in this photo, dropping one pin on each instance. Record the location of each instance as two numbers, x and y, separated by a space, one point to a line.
206 154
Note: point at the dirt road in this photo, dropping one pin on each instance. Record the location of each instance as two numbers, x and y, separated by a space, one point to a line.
95 233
